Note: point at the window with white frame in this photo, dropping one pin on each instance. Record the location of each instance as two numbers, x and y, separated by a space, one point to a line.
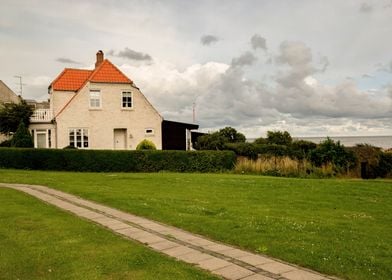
127 99
95 98
78 137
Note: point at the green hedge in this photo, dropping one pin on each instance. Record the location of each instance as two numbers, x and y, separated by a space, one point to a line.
116 161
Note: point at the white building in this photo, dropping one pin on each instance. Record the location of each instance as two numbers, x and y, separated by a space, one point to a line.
98 109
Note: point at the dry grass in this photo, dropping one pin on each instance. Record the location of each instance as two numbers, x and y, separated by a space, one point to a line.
281 166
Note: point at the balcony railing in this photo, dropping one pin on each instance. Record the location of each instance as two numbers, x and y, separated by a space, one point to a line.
41 115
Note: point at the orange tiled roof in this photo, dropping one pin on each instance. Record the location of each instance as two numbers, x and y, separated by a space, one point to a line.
74 79
71 79
108 73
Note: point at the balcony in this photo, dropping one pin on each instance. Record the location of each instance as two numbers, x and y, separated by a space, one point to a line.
41 116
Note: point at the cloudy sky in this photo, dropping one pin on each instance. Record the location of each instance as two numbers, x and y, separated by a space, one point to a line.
314 68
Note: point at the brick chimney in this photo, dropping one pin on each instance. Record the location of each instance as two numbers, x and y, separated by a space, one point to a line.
99 58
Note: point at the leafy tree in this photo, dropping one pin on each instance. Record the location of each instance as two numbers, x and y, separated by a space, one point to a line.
219 139
260 141
213 141
22 137
232 135
279 138
333 152
301 148
12 114
146 145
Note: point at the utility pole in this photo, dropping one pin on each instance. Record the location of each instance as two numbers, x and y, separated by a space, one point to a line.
20 85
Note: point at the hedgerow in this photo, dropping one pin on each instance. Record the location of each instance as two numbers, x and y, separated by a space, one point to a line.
116 161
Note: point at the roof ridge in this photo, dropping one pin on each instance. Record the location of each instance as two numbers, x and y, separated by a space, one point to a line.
111 64
77 69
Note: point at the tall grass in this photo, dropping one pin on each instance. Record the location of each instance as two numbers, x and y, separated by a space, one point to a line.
282 166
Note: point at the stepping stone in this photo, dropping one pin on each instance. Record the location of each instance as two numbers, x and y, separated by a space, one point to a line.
302 275
213 264
276 267
233 271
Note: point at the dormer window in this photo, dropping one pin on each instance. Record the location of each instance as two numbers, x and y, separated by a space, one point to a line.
95 98
127 100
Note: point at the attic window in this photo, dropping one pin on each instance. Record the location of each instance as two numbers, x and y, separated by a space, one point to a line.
95 98
127 99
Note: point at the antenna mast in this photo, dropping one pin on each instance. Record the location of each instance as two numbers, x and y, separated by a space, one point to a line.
20 85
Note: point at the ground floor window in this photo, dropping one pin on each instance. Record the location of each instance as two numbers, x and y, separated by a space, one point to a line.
78 137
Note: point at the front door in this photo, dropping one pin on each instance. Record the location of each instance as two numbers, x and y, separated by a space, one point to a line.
41 140
120 139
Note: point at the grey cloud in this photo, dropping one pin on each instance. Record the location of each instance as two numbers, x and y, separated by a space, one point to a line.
229 97
246 58
294 54
67 60
366 8
367 76
131 54
207 40
299 59
258 42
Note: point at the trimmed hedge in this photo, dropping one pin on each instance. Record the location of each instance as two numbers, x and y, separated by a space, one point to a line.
116 161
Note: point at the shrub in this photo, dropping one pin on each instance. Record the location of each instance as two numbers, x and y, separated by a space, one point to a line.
11 114
301 149
333 152
22 137
279 138
273 150
243 149
219 139
212 141
146 145
116 161
384 168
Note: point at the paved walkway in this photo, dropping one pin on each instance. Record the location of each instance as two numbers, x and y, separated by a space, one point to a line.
220 259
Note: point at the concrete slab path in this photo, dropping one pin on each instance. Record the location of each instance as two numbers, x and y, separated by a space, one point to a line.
224 260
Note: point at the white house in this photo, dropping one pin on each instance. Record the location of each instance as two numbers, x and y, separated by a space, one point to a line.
98 109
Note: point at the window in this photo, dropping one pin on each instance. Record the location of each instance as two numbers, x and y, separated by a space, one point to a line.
95 98
127 99
78 137
149 131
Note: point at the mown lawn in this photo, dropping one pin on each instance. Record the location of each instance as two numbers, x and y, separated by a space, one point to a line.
38 241
338 227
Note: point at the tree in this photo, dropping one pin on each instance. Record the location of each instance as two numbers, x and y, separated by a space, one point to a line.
232 135
12 114
333 152
219 139
22 137
302 148
213 141
260 141
279 138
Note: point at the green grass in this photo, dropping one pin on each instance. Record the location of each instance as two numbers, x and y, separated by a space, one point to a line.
38 241
338 227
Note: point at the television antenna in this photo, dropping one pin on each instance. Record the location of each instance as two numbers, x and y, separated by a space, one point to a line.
21 84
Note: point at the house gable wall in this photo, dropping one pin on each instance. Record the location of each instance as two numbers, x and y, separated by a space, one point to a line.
102 122
58 99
